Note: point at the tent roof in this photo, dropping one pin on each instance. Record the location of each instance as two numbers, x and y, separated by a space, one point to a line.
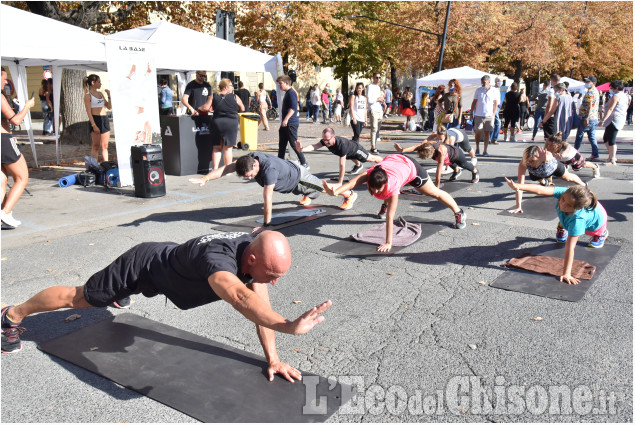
604 87
48 42
467 76
181 49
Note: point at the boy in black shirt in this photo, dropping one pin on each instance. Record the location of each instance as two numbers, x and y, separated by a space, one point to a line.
234 267
276 175
345 149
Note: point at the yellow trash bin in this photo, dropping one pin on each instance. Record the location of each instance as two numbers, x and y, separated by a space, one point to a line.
248 131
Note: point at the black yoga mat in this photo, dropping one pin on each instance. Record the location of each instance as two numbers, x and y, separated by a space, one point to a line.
536 207
281 218
550 286
206 380
353 248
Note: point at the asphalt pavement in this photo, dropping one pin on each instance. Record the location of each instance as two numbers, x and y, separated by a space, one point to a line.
423 325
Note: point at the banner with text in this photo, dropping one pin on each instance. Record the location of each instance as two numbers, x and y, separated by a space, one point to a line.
135 111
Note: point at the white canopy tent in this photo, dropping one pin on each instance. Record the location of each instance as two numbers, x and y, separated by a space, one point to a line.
175 54
63 46
574 85
469 78
183 51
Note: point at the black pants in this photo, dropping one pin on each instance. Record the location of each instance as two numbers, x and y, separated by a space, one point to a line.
462 162
289 135
357 130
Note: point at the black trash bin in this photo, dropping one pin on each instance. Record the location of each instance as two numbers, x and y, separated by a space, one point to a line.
147 171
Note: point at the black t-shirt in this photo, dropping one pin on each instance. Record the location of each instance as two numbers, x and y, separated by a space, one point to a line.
225 106
243 95
512 104
290 101
342 147
181 271
198 93
279 172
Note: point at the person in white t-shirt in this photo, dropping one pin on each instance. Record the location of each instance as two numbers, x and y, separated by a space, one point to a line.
375 99
483 107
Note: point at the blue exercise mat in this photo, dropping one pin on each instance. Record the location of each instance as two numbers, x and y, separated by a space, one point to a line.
68 180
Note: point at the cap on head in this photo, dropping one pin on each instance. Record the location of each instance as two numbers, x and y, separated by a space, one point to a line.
592 79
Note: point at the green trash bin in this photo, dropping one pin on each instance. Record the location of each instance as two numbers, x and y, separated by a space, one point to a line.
248 131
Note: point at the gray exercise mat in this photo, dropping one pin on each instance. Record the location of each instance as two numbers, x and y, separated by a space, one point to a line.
207 380
550 286
534 206
449 187
283 218
353 248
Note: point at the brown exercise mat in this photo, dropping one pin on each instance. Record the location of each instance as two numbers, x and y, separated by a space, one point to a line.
550 265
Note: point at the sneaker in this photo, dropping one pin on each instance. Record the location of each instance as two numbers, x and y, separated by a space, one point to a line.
596 172
478 152
306 166
378 140
474 161
356 169
374 151
485 154
460 220
9 221
122 303
455 174
349 201
10 334
305 201
475 177
593 158
561 234
598 241
382 212
496 143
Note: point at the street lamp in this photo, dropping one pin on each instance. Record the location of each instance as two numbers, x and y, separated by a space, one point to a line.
441 37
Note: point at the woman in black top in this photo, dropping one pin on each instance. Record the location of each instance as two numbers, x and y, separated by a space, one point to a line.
524 108
511 111
226 106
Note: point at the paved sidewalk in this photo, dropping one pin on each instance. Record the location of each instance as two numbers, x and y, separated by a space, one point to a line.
416 323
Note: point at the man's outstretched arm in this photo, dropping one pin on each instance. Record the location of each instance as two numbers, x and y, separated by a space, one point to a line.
216 174
230 289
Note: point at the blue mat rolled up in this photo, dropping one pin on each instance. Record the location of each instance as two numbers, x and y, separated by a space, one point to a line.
68 180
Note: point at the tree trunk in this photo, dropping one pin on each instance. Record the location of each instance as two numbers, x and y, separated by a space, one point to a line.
76 123
393 77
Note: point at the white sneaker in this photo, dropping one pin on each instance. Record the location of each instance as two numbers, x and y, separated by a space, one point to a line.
9 221
378 140
596 172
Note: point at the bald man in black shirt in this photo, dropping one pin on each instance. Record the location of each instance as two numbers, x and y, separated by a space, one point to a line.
233 267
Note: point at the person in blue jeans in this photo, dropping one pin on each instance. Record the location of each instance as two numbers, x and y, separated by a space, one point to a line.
497 121
589 117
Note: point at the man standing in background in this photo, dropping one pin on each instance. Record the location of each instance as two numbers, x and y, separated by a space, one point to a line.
375 98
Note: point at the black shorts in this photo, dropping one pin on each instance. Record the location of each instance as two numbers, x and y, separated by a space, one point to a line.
360 154
123 277
610 134
422 175
102 123
549 127
559 172
10 151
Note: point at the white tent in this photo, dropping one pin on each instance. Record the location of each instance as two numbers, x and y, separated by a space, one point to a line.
574 85
48 42
182 51
469 78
